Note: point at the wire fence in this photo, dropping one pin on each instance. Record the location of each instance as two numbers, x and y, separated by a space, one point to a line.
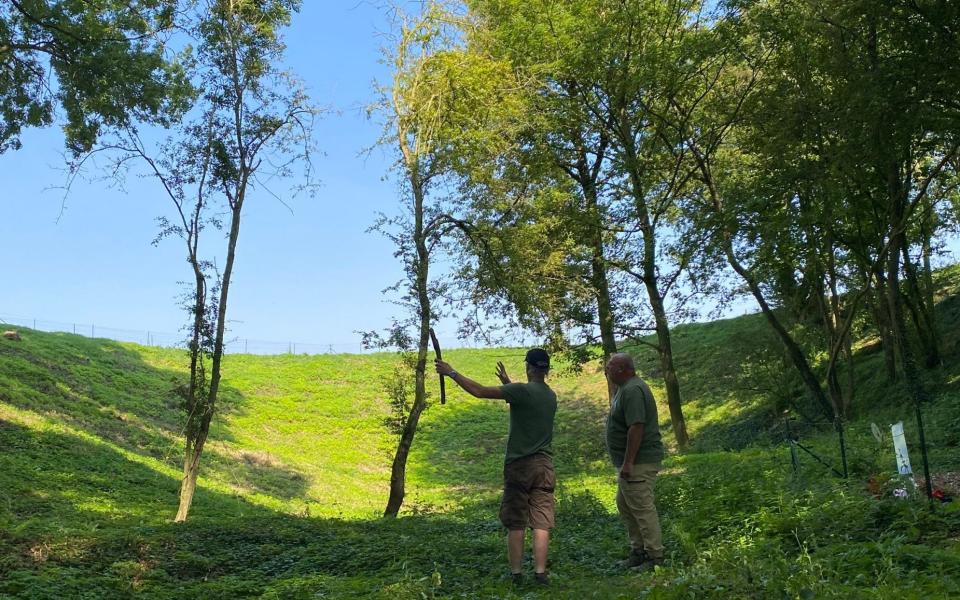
233 345
147 337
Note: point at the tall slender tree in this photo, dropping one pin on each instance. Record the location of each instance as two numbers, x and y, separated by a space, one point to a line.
437 112
251 123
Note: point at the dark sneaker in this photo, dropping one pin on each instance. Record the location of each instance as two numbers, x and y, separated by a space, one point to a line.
541 578
516 578
648 565
634 560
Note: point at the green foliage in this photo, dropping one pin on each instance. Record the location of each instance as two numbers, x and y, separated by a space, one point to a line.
399 388
576 222
103 62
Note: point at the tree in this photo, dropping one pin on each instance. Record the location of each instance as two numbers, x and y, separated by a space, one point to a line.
436 113
599 73
649 50
102 62
853 122
818 156
550 204
252 123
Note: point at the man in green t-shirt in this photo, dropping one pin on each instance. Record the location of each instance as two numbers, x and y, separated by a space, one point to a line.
528 476
633 440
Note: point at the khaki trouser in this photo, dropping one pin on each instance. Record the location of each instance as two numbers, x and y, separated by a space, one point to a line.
637 510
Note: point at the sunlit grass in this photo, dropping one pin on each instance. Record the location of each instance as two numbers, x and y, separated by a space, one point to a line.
295 476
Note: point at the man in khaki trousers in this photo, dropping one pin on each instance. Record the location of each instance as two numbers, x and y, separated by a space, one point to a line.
633 440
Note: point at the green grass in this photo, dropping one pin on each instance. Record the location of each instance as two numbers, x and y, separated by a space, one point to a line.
295 477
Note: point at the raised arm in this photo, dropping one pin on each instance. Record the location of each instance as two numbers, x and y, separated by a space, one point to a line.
469 386
502 373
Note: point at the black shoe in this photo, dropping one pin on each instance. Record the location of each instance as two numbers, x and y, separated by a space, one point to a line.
541 578
636 558
648 565
516 578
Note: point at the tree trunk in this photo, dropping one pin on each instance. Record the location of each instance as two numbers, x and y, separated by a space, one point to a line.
196 338
828 306
934 359
793 349
881 315
654 295
398 472
851 382
601 283
195 398
839 338
920 304
608 340
188 486
191 470
586 174
670 380
911 374
664 344
222 307
205 408
845 339
905 354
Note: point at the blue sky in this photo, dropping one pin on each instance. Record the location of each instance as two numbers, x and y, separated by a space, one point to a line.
311 276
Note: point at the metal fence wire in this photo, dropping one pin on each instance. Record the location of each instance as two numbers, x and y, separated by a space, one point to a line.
163 339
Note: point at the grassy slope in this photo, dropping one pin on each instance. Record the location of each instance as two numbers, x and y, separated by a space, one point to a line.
296 474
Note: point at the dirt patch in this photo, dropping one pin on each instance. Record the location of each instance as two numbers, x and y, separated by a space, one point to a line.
260 459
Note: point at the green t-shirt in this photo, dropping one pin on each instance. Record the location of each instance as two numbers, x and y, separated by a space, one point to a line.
633 403
532 408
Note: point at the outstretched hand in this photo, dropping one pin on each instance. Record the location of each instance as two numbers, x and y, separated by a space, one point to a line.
502 373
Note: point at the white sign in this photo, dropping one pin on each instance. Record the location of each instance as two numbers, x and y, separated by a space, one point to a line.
900 447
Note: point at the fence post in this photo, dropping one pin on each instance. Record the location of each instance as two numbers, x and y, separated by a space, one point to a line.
838 423
923 452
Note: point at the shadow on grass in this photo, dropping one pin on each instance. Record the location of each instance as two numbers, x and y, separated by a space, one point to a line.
108 390
79 518
735 360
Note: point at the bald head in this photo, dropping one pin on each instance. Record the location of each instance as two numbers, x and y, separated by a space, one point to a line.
624 360
620 368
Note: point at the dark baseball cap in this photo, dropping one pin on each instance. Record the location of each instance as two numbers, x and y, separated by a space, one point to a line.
538 357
